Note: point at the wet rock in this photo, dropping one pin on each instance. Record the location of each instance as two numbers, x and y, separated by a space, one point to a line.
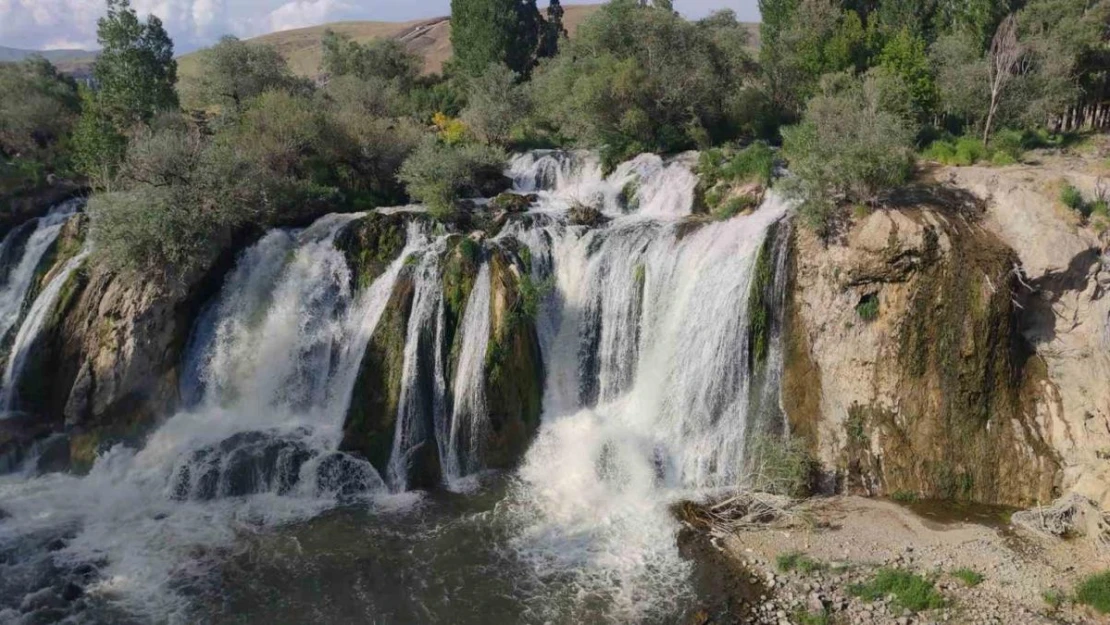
72 592
346 476
244 464
512 202
589 216
41 599
53 454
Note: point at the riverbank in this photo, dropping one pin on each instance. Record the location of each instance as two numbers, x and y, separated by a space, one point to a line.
984 570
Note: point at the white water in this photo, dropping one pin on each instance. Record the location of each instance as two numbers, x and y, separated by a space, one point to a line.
469 424
648 399
14 289
280 358
32 325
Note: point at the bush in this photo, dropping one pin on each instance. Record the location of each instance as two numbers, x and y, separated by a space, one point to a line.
868 308
969 151
847 149
1094 591
436 174
38 108
780 465
1054 598
495 105
904 496
969 577
911 592
232 73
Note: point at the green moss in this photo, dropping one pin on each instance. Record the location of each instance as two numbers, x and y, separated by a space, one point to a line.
759 301
371 244
1094 591
910 592
868 307
629 196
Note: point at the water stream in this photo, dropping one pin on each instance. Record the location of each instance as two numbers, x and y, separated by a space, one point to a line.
239 508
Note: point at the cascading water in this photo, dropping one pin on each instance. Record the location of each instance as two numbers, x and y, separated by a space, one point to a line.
650 395
16 280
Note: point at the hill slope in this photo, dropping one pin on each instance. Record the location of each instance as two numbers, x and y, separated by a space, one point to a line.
429 38
9 55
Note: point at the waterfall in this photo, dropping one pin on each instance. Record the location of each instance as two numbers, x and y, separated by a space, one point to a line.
469 424
30 330
17 280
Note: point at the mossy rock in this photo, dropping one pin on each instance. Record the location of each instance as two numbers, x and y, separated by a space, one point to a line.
514 367
368 428
589 216
512 202
371 243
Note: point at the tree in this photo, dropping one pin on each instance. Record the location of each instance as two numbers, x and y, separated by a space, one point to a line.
905 56
495 104
384 59
510 32
848 148
1003 64
437 174
135 71
232 72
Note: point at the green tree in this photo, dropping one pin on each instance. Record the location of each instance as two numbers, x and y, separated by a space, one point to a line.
510 32
495 105
135 71
438 174
98 146
905 56
848 148
383 59
232 72
38 107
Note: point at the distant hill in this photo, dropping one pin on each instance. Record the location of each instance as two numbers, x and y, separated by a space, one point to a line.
10 55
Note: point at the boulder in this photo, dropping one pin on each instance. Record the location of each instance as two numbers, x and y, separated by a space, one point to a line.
589 216
246 463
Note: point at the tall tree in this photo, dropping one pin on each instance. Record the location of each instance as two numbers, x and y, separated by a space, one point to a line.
1004 63
135 71
487 32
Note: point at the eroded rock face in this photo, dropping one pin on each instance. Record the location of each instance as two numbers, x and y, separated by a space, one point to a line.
906 367
1067 312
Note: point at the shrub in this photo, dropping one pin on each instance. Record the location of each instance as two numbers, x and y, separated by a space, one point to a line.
1094 591
1073 199
38 107
868 307
1008 146
798 561
969 151
911 592
495 105
734 206
437 174
904 496
817 617
386 59
846 149
941 151
969 577
755 163
780 465
233 72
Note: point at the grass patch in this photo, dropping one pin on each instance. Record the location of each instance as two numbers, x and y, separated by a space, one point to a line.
868 307
1094 591
904 496
798 561
1054 598
1072 198
911 592
821 617
970 577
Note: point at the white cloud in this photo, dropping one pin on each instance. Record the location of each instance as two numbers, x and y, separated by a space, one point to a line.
298 14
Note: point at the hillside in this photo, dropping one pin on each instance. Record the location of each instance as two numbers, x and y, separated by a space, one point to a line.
8 55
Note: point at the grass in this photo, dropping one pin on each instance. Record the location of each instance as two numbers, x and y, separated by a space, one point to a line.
910 592
904 496
970 577
1094 591
1073 198
1054 598
798 561
868 308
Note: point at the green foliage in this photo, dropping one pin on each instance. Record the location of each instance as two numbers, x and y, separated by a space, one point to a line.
637 78
970 577
233 72
1054 598
381 59
734 206
1094 591
868 308
820 617
904 496
437 174
98 146
780 465
910 592
1073 198
905 56
495 105
135 70
507 32
847 149
38 108
798 561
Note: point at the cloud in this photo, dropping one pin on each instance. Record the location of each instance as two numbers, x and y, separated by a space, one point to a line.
39 24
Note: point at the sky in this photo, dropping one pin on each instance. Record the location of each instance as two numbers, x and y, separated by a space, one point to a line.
52 24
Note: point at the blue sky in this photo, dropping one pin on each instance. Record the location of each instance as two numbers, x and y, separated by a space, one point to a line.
46 24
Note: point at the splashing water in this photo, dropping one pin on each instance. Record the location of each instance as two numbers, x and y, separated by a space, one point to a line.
15 284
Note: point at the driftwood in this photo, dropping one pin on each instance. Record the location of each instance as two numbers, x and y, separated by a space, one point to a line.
1071 516
741 511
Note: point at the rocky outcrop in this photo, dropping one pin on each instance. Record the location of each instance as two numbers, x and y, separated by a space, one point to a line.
18 209
906 368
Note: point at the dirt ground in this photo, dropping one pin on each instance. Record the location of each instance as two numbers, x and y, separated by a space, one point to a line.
851 537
